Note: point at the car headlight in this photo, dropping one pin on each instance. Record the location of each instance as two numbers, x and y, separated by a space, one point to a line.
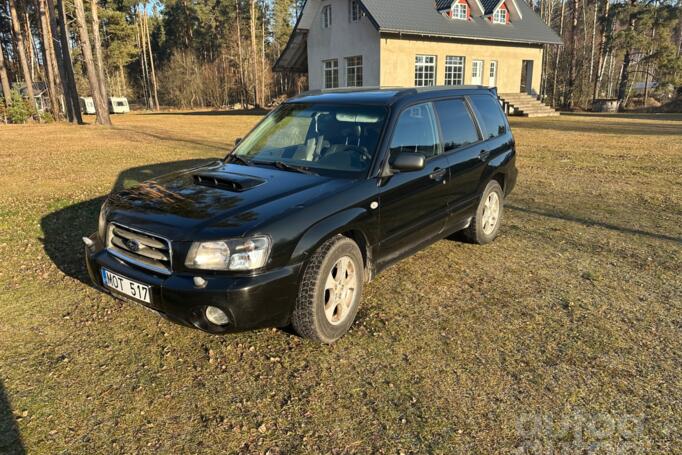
235 254
102 223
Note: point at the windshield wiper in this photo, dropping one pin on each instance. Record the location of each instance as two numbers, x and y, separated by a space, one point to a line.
287 167
239 159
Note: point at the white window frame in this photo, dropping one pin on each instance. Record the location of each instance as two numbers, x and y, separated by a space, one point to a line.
354 71
354 11
330 67
460 11
454 69
500 16
424 65
326 16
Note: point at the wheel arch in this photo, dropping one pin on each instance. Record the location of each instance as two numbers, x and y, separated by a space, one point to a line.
348 223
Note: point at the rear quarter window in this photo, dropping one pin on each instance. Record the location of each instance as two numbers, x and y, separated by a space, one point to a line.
456 124
489 115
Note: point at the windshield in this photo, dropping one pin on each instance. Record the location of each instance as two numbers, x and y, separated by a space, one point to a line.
322 139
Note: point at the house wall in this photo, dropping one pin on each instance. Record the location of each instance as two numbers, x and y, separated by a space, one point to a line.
397 55
343 39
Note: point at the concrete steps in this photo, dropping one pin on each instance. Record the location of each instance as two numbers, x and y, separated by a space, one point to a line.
525 105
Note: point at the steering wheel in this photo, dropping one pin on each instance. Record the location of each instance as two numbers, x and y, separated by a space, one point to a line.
362 151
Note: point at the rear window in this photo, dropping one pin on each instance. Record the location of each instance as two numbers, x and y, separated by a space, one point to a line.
490 115
456 124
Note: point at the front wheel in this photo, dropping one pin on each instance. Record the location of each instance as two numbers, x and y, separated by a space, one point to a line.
330 291
486 223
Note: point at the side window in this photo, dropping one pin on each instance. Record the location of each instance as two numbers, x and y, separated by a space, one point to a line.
456 124
415 132
490 115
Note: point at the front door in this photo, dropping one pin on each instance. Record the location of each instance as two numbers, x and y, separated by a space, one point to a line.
477 72
492 78
413 205
526 76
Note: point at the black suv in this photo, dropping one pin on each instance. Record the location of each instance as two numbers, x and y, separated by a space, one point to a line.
327 191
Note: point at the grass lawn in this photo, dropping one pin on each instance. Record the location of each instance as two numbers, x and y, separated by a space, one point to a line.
566 333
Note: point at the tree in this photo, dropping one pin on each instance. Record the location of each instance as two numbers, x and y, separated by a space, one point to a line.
48 60
64 62
629 38
21 50
101 106
569 100
97 45
601 58
4 79
254 55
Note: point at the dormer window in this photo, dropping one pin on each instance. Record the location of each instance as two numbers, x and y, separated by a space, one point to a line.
500 15
327 16
460 11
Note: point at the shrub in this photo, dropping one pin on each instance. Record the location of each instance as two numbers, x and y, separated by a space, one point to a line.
20 110
46 117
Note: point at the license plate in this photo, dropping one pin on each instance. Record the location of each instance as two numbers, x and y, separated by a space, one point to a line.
126 286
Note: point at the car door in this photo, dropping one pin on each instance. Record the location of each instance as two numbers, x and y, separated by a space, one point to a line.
413 205
462 146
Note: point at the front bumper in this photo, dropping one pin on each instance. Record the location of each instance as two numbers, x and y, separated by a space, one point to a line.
258 301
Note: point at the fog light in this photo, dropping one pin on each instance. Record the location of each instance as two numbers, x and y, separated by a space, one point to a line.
216 316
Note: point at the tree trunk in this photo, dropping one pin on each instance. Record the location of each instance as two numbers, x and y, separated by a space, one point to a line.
97 44
31 47
242 85
262 50
101 106
627 58
558 53
61 44
21 50
151 62
4 79
573 68
143 62
594 33
601 59
254 55
47 60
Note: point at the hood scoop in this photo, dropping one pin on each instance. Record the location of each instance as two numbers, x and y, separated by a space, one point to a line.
227 181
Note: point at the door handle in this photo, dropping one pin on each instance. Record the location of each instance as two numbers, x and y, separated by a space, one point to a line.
484 155
438 174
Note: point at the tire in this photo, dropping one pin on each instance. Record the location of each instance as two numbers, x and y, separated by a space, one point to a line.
315 315
480 231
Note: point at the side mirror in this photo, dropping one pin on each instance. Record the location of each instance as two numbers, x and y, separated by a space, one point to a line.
406 162
237 141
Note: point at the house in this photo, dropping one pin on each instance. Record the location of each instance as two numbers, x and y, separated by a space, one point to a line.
355 43
42 98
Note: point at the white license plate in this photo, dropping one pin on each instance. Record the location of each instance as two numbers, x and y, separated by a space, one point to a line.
126 286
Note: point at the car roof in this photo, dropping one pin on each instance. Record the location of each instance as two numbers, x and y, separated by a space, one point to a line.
387 96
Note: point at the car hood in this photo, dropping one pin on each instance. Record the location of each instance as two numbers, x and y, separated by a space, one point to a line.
217 201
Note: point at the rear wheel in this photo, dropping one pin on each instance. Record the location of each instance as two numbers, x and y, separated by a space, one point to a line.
486 223
330 291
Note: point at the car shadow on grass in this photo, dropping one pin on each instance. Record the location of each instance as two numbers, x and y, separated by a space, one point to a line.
64 228
10 438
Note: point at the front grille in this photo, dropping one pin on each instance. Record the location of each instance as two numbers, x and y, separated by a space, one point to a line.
140 248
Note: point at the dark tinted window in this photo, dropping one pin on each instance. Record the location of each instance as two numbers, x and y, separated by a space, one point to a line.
456 125
415 132
490 115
